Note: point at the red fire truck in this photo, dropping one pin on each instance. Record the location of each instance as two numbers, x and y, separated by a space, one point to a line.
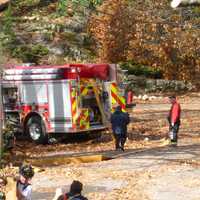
41 100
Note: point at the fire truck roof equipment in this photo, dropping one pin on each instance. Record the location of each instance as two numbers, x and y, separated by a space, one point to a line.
100 71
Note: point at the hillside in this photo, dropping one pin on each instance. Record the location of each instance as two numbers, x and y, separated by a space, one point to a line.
150 33
35 32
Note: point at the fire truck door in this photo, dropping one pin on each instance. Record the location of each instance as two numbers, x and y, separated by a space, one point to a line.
60 105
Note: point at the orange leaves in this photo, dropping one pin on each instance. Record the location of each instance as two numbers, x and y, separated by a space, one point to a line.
110 30
148 33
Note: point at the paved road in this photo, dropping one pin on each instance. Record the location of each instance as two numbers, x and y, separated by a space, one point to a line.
171 176
154 173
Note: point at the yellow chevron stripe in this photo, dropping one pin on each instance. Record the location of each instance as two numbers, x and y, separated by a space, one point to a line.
74 106
114 89
122 99
84 92
74 101
113 101
73 93
84 122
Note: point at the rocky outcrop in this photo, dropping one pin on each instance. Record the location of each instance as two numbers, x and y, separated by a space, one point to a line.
49 39
66 40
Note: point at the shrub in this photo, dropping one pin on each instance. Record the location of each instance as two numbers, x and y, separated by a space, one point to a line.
30 54
62 5
141 70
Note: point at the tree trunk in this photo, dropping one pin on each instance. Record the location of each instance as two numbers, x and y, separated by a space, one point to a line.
1 117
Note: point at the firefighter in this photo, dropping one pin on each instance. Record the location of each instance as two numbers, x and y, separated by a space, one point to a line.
119 121
74 193
174 120
24 188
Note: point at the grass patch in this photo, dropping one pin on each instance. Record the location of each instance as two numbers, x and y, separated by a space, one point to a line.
30 54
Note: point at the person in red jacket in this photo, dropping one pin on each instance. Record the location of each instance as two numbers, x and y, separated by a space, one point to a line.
174 120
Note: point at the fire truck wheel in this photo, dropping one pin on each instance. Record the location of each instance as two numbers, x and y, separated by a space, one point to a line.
36 130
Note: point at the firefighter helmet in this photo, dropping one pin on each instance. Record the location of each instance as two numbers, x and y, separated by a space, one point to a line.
26 171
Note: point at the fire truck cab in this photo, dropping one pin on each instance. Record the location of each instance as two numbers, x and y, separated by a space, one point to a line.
41 100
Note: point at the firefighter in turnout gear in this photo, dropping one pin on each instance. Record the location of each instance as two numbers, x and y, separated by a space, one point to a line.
174 120
119 121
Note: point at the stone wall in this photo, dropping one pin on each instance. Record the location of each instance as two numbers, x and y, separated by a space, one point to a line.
141 85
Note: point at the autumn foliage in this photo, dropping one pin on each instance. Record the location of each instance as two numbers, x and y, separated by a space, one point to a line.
110 28
150 33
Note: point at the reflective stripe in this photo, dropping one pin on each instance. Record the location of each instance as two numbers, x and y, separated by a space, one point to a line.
85 83
116 98
74 107
84 90
84 119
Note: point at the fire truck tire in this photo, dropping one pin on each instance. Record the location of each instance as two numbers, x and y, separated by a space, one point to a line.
35 129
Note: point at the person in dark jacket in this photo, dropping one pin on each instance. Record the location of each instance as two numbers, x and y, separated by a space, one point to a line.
119 121
74 193
174 120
